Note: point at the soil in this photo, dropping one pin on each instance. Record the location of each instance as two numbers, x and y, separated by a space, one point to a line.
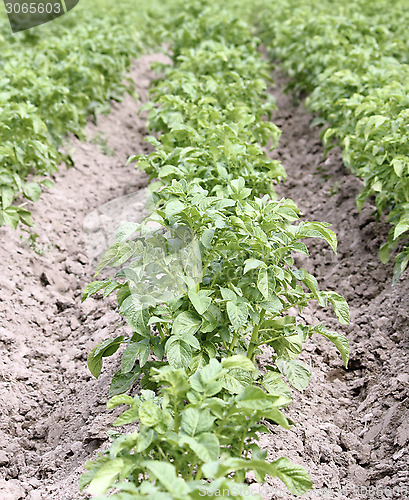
352 431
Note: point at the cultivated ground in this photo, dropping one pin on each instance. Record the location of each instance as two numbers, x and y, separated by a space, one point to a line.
352 427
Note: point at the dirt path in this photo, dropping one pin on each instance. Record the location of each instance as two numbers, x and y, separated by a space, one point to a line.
53 411
353 425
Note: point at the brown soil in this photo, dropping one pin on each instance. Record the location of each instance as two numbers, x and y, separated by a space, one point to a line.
352 425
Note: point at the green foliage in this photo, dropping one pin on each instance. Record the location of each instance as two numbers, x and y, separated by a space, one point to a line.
247 280
206 280
54 77
192 438
210 111
352 58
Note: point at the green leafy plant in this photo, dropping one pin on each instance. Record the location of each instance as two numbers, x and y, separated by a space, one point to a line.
352 60
194 438
246 286
207 280
52 83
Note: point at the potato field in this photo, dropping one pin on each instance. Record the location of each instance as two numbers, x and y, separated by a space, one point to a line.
204 223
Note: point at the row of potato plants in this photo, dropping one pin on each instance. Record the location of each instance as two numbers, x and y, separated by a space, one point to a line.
197 328
53 78
352 60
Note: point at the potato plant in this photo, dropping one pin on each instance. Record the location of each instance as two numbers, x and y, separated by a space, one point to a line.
246 286
194 438
207 280
53 78
352 59
204 136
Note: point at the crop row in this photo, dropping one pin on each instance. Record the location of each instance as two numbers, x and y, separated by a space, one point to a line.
206 281
52 79
352 58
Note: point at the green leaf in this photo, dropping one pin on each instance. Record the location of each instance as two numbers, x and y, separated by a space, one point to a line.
384 253
398 165
206 380
340 307
32 191
401 227
108 256
236 380
237 313
238 361
47 183
122 399
200 300
128 417
145 439
374 122
401 262
103 349
125 231
113 285
295 477
195 421
93 288
186 323
275 385
178 352
278 417
192 341
106 476
25 217
149 414
328 135
212 319
254 398
11 217
132 352
207 237
311 282
206 446
340 342
166 474
176 378
317 230
228 294
173 207
297 374
131 308
7 196
94 364
252 264
116 255
273 305
262 282
122 382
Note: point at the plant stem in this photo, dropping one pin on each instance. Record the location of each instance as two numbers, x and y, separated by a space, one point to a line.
254 336
234 341
159 327
303 299
175 410
214 279
162 453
